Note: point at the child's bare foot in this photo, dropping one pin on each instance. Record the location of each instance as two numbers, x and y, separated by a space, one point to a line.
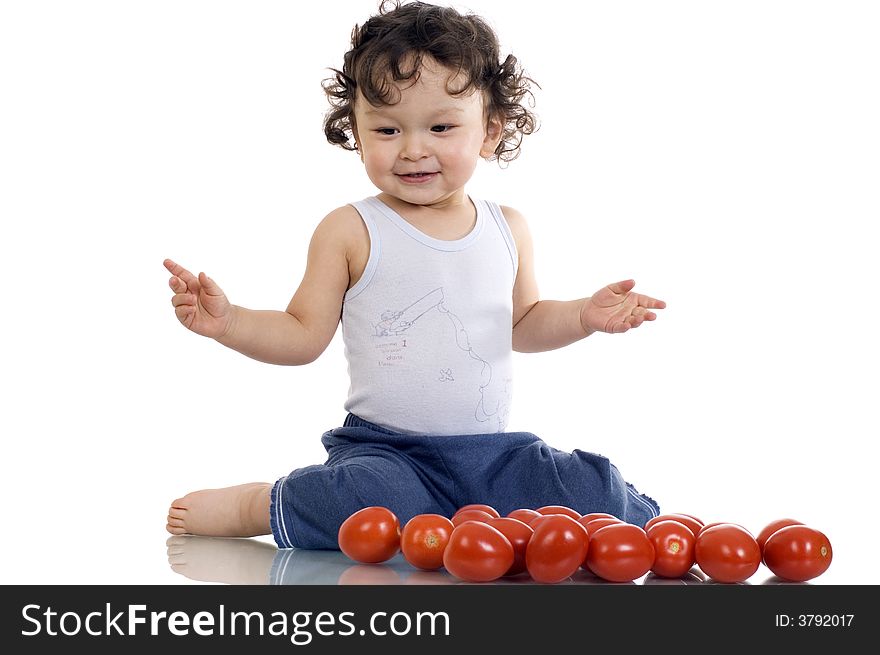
239 511
216 559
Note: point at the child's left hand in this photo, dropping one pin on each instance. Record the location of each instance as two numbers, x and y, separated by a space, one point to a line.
615 309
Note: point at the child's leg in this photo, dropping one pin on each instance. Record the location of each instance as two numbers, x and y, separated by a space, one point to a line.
517 469
239 511
310 504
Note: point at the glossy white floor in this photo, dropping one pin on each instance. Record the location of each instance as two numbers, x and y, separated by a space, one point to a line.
123 552
252 561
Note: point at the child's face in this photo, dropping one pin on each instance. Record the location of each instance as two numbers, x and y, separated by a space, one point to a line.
424 148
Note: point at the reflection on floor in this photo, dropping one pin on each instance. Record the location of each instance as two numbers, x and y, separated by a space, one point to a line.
237 561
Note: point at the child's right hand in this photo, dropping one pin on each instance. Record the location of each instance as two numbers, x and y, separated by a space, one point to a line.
198 302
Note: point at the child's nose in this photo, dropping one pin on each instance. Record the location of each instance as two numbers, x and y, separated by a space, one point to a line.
413 147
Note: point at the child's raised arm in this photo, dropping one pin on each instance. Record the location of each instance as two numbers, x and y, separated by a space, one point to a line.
292 337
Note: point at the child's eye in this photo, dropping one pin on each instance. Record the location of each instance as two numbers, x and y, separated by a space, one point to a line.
387 131
441 128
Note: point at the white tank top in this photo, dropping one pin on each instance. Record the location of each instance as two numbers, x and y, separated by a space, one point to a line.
428 327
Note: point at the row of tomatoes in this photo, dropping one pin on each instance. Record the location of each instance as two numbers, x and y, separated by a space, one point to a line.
551 543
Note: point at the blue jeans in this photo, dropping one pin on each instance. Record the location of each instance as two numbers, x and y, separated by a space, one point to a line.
417 474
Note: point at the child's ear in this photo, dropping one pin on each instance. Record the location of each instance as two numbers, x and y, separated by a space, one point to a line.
494 131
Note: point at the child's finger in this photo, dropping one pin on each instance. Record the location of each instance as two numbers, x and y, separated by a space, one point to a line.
173 267
651 303
177 285
624 286
179 271
184 313
181 299
210 287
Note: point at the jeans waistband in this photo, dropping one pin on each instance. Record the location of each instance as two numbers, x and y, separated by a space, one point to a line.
354 421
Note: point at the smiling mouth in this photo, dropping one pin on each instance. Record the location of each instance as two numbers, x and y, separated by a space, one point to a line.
420 176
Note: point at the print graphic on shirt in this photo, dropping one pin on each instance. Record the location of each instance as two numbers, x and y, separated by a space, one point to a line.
492 402
395 323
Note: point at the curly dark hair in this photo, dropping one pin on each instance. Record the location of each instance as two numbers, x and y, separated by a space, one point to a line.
389 48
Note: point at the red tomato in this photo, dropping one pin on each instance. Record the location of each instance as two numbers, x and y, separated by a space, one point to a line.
772 527
586 518
673 548
727 552
797 553
556 549
524 515
477 552
595 524
463 515
423 540
535 522
491 511
518 534
559 509
370 535
694 524
620 552
712 525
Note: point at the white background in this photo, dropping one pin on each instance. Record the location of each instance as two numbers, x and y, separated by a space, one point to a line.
725 155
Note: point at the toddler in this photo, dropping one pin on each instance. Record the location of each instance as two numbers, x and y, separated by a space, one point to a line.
434 290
